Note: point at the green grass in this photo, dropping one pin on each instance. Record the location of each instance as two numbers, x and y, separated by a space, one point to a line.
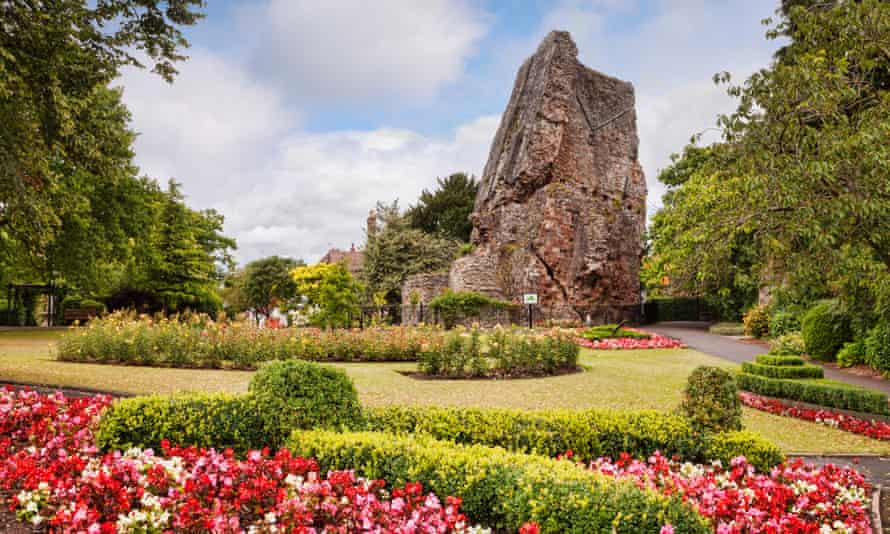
611 379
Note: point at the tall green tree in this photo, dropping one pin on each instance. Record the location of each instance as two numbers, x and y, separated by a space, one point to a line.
183 260
266 282
802 170
446 210
396 250
61 125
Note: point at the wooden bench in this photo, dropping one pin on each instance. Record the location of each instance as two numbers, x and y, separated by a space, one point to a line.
80 314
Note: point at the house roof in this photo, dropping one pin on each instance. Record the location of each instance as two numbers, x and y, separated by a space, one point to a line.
355 259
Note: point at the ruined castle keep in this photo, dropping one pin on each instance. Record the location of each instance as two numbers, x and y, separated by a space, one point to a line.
561 205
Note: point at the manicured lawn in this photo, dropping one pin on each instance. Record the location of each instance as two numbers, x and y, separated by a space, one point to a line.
612 379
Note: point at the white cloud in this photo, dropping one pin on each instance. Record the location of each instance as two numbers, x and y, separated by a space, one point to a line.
235 147
354 51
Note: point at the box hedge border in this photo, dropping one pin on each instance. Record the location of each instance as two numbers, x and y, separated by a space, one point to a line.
783 371
502 489
845 397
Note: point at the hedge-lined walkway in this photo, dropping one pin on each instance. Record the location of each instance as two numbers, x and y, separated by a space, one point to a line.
696 336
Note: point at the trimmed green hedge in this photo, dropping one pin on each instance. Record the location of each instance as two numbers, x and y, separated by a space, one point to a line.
587 433
783 371
772 359
827 394
216 420
502 489
759 452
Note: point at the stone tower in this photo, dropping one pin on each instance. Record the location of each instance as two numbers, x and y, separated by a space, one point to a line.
561 206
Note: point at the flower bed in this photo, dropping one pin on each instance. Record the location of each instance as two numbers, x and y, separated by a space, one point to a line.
866 427
792 498
651 341
501 353
54 478
196 341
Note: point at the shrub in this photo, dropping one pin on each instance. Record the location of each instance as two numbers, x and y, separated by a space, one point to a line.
610 331
778 359
200 419
877 348
759 452
502 489
294 394
727 329
507 353
587 433
197 341
824 393
783 371
455 306
711 402
852 353
783 322
790 344
756 322
825 329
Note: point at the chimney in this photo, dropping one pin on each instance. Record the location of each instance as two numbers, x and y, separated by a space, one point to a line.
352 247
372 223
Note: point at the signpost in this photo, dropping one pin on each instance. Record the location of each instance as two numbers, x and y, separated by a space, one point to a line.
530 299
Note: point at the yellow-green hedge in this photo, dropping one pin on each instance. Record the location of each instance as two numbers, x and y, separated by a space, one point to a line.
502 489
725 446
588 434
215 420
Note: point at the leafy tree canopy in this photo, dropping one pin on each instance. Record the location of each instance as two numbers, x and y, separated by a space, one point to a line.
65 157
800 179
446 210
396 250
266 282
331 290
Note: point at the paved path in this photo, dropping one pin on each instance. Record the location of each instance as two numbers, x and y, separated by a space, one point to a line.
697 337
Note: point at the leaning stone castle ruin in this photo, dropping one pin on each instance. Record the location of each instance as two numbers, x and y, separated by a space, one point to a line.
561 206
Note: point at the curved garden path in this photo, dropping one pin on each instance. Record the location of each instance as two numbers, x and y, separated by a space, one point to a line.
696 335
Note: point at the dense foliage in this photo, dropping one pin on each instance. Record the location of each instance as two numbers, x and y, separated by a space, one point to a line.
710 401
261 285
198 341
501 353
446 211
396 250
452 307
825 329
331 292
756 321
503 489
295 394
795 197
73 208
877 348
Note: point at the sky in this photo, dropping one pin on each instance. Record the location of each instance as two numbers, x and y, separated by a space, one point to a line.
293 117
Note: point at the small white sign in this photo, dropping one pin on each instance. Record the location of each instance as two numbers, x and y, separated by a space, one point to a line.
530 298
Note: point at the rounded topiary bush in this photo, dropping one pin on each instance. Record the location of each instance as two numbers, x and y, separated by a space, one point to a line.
877 348
711 401
294 394
825 329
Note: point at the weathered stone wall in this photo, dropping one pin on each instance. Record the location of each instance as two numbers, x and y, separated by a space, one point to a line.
426 287
561 205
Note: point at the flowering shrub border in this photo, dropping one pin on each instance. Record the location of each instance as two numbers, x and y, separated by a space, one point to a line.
857 425
653 341
54 477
